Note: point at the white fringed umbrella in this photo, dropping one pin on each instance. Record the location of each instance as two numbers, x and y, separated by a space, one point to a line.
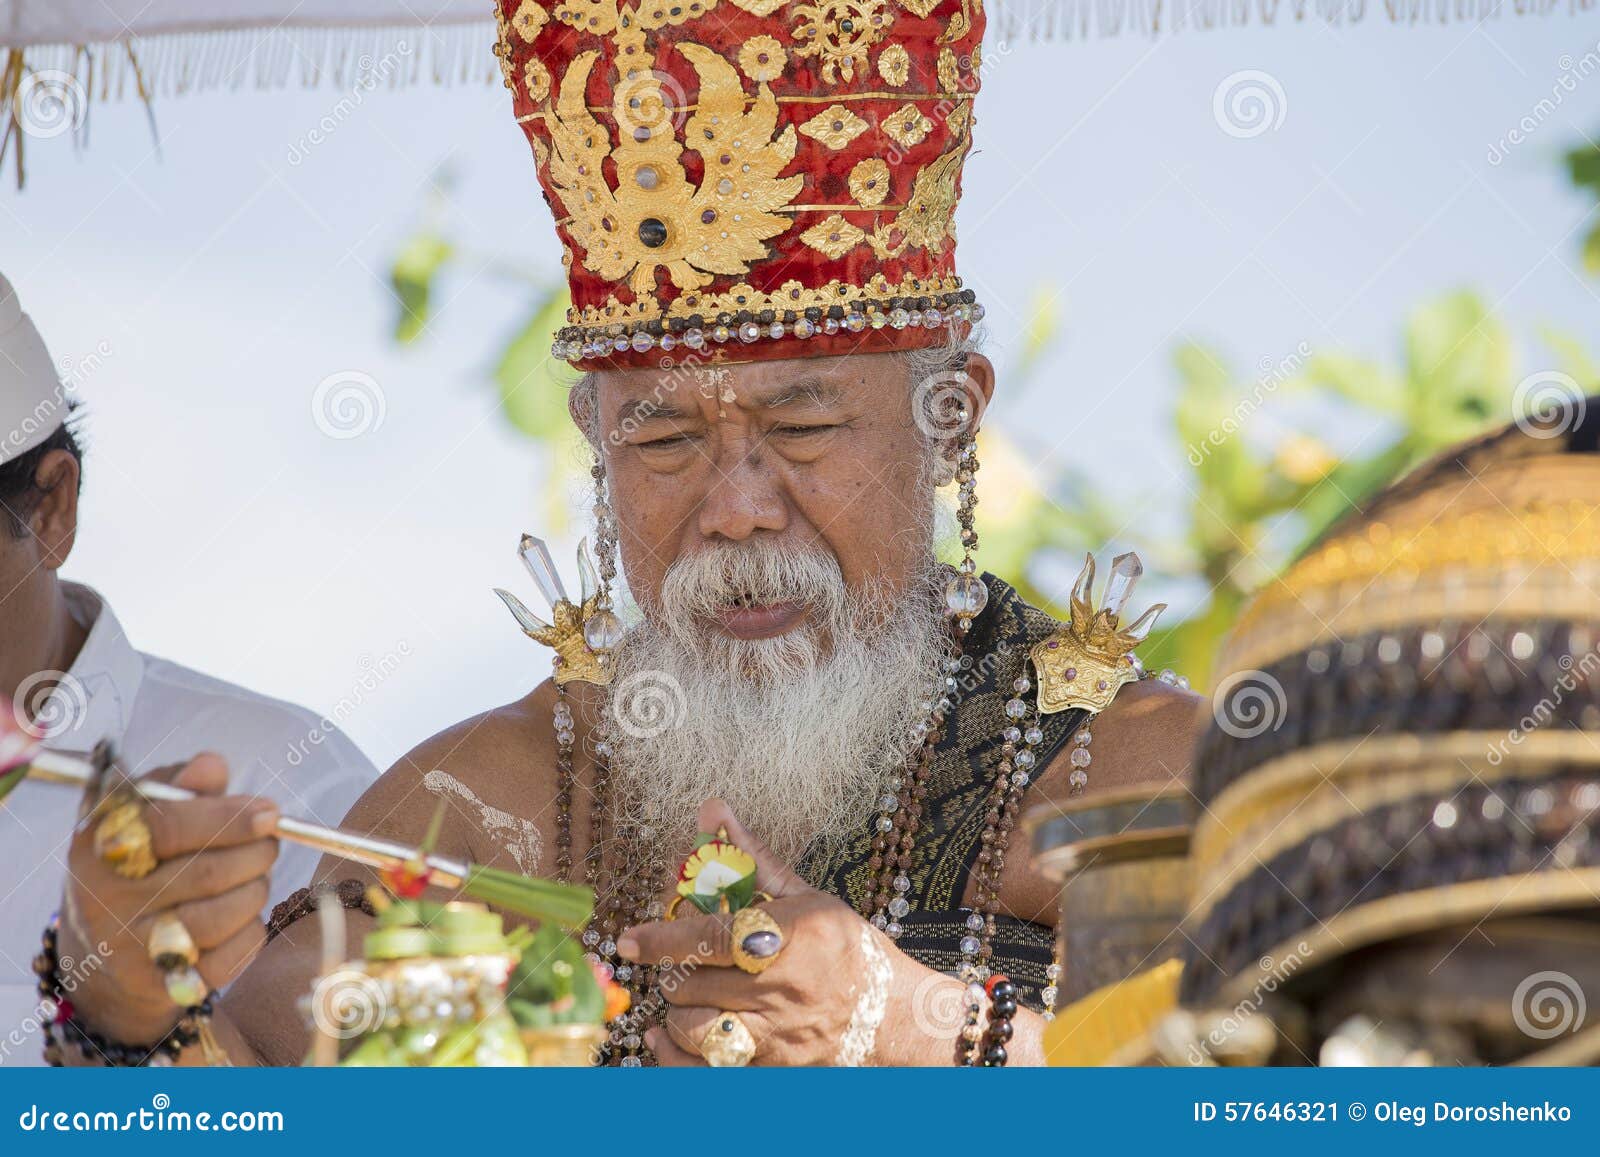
58 54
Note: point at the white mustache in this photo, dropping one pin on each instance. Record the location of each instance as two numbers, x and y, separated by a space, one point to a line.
700 585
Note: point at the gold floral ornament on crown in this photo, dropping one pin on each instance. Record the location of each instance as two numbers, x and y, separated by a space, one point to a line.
1089 660
655 217
584 633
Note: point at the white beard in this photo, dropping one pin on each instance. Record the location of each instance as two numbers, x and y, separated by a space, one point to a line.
800 733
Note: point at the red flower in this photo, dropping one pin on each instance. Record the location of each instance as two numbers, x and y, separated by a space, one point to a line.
407 881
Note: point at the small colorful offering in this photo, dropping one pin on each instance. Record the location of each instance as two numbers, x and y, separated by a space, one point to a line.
444 985
718 877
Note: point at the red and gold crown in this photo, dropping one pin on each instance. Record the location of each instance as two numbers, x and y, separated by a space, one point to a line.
778 178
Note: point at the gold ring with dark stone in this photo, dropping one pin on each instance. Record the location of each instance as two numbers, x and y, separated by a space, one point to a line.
757 940
170 945
728 1043
123 841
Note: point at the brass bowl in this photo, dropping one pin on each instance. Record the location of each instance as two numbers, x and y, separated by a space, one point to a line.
563 1046
1121 861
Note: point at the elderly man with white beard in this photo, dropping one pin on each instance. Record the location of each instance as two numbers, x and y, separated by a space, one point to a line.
864 720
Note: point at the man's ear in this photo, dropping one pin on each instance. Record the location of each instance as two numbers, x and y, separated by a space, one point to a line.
978 383
583 401
980 379
54 524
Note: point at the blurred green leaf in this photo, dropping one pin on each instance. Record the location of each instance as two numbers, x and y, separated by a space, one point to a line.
412 277
1583 166
531 382
1357 381
1591 251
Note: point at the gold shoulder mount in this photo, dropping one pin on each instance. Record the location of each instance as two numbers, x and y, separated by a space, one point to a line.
585 633
1090 659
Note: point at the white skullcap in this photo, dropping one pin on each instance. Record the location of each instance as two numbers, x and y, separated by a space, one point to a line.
33 402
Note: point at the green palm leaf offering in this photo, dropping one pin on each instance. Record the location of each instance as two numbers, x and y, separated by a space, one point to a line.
10 779
567 905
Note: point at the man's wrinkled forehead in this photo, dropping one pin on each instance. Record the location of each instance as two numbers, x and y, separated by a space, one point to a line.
711 390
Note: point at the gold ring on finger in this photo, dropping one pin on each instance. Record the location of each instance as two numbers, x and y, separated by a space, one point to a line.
757 940
170 945
123 841
728 1043
172 950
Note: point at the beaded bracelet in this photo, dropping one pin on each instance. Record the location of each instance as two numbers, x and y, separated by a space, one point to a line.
65 1030
1002 1007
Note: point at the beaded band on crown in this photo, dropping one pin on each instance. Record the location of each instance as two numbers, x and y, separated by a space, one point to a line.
749 327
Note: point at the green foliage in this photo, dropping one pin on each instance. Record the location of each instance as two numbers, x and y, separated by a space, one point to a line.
532 386
1583 166
1261 489
412 278
553 984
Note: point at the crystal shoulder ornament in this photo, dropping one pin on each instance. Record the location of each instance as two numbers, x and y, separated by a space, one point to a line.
1090 659
583 634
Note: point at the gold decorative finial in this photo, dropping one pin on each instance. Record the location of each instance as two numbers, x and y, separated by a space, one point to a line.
584 633
1090 659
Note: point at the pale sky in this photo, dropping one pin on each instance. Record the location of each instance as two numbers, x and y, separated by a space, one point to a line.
224 280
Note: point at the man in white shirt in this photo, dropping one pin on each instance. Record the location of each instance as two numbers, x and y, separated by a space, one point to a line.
75 679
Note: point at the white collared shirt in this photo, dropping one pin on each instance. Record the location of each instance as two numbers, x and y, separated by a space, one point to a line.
156 713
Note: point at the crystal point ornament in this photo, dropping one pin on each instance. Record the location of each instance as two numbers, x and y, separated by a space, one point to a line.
1126 570
536 557
526 619
588 581
581 634
1139 629
1083 589
1086 662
